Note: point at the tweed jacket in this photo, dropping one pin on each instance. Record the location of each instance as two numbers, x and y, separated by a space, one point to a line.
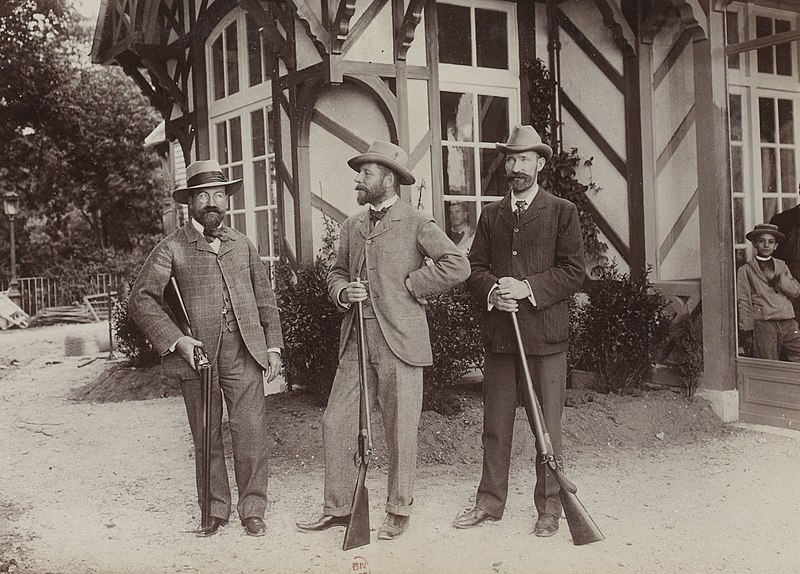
545 248
758 301
386 256
200 273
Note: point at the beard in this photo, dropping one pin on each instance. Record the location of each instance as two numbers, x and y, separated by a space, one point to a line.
210 217
369 194
521 181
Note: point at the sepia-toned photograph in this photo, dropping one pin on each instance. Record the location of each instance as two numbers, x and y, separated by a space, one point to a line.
399 286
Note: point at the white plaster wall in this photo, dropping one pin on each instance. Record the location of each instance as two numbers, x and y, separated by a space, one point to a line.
588 20
375 44
672 100
307 54
675 186
417 54
683 261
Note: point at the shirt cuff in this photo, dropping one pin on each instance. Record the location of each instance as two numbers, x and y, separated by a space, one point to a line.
274 350
339 301
531 298
489 306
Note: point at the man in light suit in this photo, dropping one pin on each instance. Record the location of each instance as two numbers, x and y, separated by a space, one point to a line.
527 257
234 317
381 263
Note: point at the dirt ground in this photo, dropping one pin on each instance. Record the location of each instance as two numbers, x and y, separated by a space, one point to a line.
91 482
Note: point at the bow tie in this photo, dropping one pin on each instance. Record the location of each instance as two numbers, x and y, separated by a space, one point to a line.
218 233
375 215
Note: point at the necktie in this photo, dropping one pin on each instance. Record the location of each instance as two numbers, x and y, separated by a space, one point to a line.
520 209
212 234
375 215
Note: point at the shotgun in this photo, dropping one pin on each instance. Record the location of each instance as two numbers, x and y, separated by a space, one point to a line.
581 526
357 533
174 300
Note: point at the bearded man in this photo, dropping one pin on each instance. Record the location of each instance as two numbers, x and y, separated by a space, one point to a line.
527 257
234 317
380 263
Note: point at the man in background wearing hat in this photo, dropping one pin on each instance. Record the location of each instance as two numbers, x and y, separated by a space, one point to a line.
527 257
765 289
234 317
381 263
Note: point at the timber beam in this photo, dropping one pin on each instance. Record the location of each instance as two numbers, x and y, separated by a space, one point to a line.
315 29
269 29
615 20
340 27
405 33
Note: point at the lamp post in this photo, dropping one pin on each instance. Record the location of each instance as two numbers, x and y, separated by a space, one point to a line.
10 207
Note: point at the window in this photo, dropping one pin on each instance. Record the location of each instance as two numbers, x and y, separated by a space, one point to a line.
225 63
479 100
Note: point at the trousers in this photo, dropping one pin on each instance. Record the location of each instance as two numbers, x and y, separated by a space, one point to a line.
238 380
396 388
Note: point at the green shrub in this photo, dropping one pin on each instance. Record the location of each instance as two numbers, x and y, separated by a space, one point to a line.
130 339
619 331
687 354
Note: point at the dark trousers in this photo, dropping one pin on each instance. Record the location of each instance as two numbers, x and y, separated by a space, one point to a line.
237 377
503 373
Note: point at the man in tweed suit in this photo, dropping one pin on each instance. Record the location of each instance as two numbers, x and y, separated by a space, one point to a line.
526 257
381 262
234 317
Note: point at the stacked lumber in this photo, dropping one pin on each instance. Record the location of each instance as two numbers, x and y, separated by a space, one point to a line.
68 314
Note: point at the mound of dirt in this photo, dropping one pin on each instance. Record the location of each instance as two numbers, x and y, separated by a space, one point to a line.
591 420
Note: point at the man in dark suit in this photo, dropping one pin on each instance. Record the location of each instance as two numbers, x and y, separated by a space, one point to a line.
381 263
234 317
788 250
527 257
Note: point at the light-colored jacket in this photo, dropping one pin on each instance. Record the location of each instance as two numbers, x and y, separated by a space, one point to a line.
186 255
758 301
387 255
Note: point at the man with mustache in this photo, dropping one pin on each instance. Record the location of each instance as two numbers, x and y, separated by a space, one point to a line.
381 262
527 257
234 318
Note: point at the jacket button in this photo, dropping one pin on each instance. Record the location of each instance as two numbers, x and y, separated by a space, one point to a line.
514 252
369 241
516 230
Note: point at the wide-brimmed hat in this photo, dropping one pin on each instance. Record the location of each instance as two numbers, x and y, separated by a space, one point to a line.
525 138
387 154
205 173
765 228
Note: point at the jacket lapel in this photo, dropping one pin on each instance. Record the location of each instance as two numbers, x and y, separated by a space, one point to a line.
194 236
506 212
535 209
226 246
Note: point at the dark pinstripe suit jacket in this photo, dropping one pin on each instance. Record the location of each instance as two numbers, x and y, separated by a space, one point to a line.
545 248
200 273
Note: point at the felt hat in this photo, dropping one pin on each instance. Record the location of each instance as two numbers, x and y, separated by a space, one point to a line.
386 154
525 138
765 228
201 174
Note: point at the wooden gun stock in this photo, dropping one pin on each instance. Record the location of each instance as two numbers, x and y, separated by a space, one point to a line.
357 533
581 526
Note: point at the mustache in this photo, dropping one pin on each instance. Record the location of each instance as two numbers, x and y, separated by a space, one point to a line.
519 175
211 209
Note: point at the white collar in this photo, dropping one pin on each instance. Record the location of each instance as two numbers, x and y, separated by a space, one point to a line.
199 226
527 196
387 203
764 259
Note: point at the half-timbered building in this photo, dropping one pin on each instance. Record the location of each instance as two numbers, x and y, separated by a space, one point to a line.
689 109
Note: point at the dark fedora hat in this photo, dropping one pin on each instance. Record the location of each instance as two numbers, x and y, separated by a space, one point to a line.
525 138
765 228
389 155
201 174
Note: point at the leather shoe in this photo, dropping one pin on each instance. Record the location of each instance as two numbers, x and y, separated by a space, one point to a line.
393 526
254 526
213 528
473 517
546 525
325 521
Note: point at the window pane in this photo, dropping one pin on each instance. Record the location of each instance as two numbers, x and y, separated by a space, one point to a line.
787 171
738 220
237 198
258 144
732 27
460 218
491 39
457 116
270 140
455 39
239 222
493 112
766 119
737 181
769 179
783 52
788 203
786 121
218 69
253 52
770 207
236 138
232 58
764 28
260 182
222 142
735 107
459 170
493 173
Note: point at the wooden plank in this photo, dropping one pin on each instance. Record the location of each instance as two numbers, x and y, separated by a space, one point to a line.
594 134
595 55
672 56
434 110
327 209
675 141
634 162
336 129
765 42
341 24
362 23
678 227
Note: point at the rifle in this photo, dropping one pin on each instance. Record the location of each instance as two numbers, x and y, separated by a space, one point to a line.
581 526
357 533
174 300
